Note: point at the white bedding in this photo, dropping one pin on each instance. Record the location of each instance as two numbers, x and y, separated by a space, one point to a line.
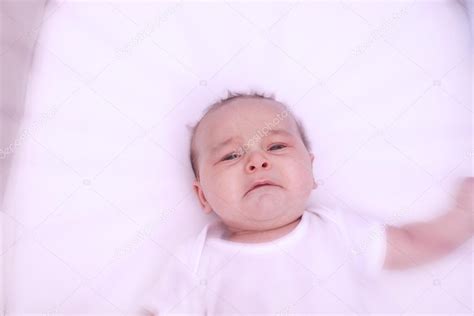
101 194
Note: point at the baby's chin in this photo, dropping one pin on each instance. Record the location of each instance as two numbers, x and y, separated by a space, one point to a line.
268 213
267 220
264 207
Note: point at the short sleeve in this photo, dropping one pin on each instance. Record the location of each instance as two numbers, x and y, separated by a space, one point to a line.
365 238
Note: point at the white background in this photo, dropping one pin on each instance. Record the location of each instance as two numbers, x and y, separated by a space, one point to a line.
100 192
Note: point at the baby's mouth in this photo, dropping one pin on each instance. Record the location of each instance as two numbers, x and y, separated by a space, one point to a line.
260 185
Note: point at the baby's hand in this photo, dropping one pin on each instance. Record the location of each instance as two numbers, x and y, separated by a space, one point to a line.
465 195
426 241
465 200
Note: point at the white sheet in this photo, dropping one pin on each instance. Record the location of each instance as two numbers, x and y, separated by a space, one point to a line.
101 189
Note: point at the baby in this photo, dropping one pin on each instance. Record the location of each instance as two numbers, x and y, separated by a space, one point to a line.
269 253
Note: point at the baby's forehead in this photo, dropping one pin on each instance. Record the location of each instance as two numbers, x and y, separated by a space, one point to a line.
245 117
248 113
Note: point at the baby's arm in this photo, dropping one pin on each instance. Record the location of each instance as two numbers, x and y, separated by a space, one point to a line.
147 312
419 243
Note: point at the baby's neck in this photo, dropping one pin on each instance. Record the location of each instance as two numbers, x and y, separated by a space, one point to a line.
257 236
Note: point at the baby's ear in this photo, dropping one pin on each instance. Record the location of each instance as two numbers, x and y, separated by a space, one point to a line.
315 185
202 199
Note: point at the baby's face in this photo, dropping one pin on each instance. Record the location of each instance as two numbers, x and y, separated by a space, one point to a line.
246 141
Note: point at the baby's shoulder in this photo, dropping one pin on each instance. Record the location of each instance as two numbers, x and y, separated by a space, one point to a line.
325 214
344 222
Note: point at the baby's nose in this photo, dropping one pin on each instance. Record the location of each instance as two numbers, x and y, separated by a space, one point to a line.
256 163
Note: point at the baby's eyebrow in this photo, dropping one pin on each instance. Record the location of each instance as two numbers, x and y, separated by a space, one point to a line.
234 138
279 132
223 143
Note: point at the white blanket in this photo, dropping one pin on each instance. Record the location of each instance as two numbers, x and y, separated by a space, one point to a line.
101 191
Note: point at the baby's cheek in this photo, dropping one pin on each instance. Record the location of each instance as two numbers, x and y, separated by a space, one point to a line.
299 184
223 190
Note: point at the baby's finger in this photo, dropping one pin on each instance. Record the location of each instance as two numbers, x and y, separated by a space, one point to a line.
465 195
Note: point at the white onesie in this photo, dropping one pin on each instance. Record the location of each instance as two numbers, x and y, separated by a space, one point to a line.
319 267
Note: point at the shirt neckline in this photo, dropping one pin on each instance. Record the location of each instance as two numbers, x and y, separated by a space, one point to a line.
286 239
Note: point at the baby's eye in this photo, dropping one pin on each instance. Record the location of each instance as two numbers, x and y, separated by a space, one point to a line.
277 146
231 156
